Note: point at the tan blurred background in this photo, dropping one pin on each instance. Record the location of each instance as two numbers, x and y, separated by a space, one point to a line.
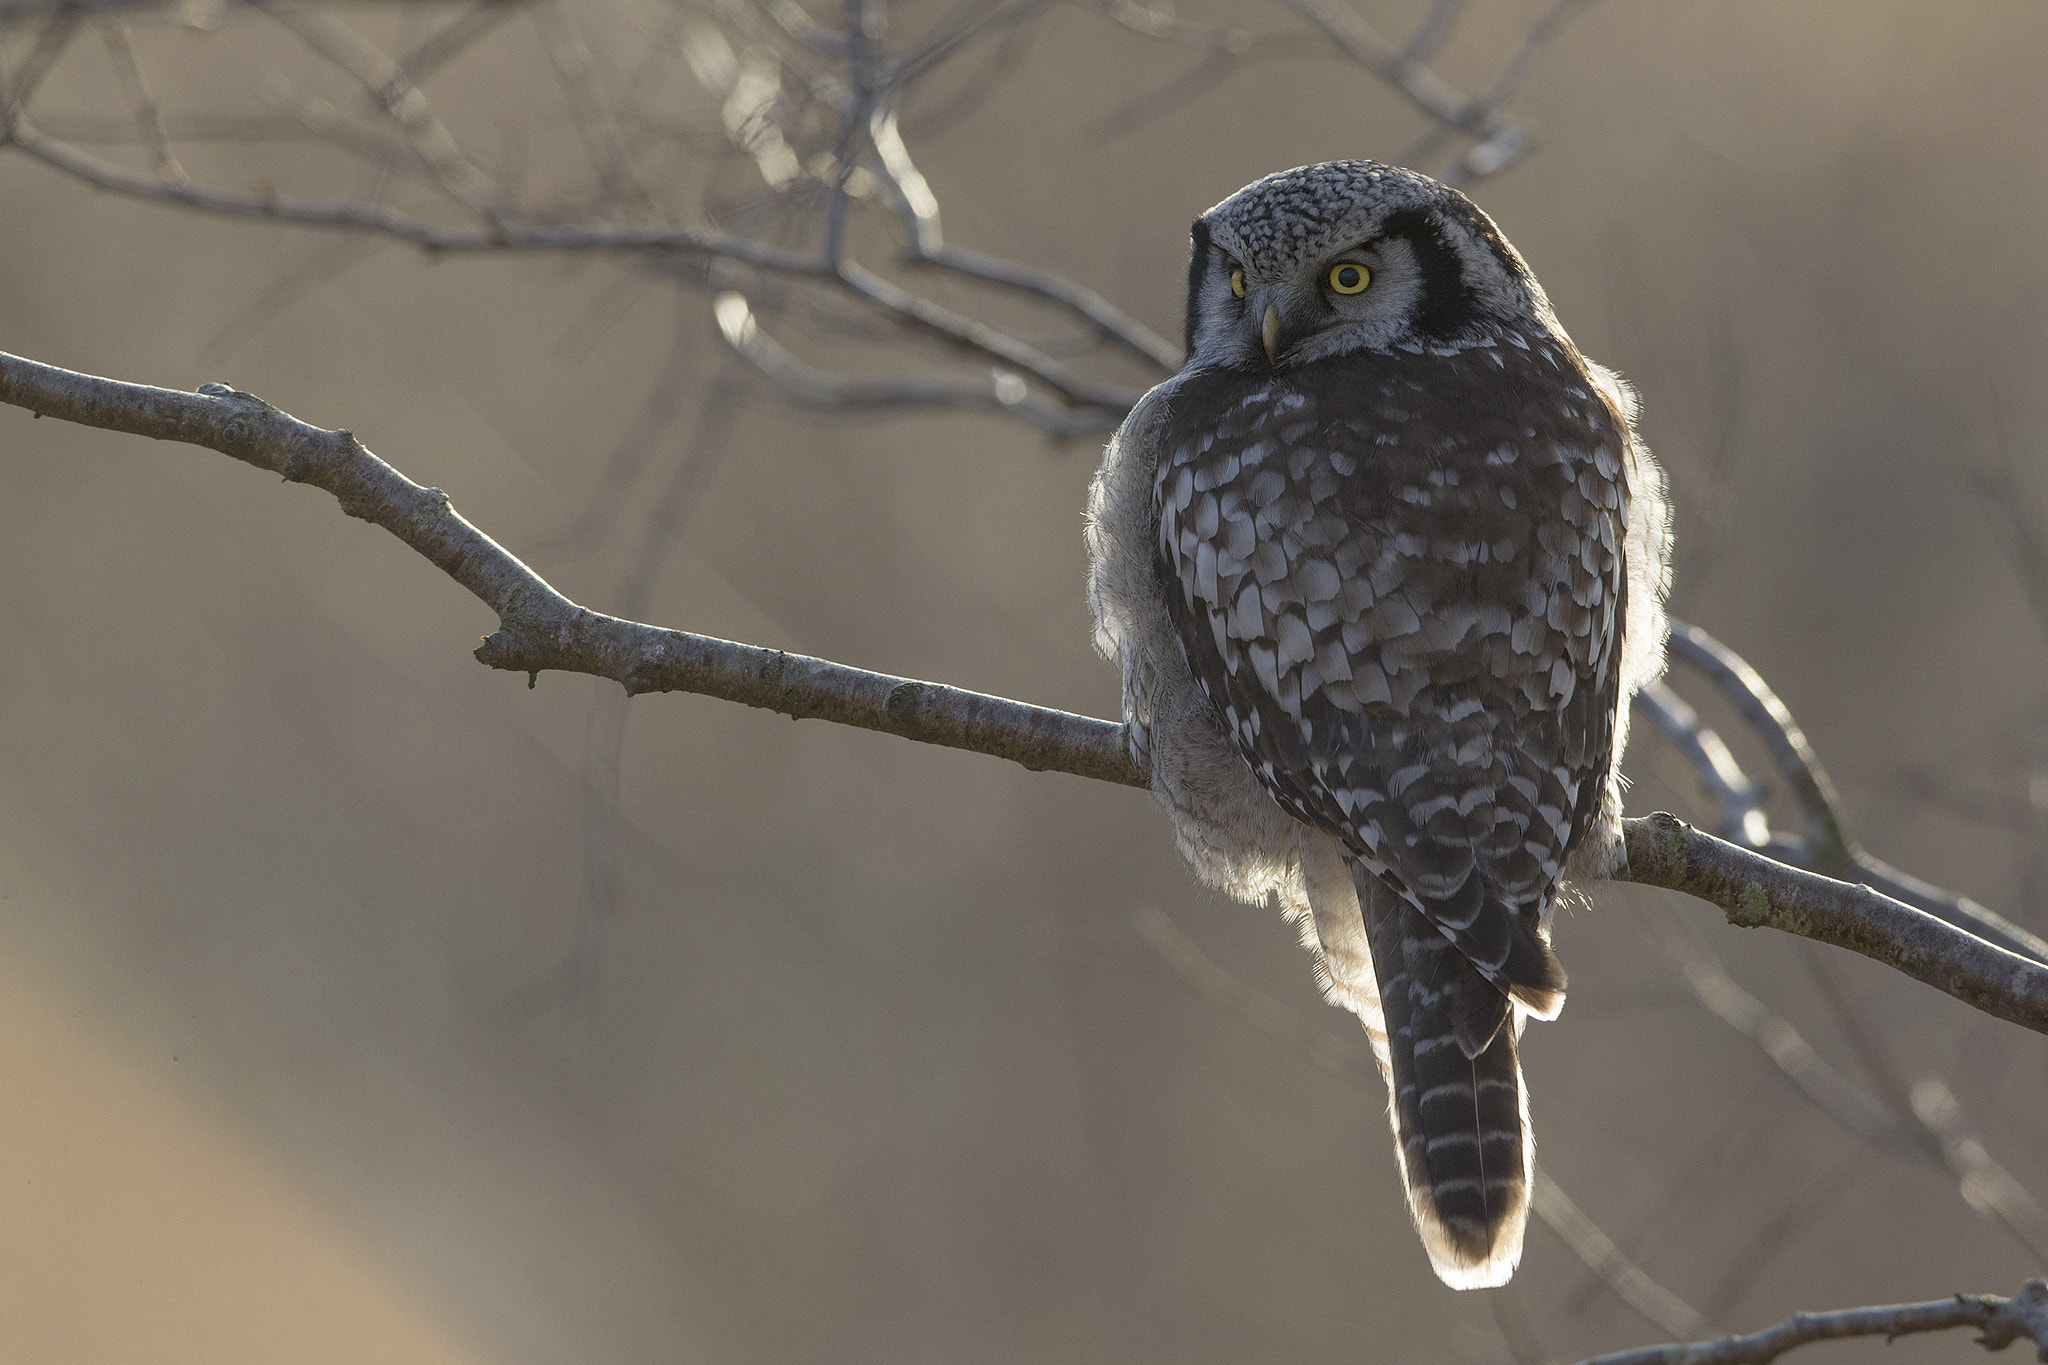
342 1018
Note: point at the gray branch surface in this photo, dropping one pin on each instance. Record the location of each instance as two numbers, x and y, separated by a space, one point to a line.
1999 1323
541 629
1756 891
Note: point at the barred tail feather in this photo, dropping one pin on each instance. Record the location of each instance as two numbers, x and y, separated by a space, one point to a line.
1461 1123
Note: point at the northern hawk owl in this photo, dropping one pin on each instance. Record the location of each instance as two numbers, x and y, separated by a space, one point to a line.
1382 566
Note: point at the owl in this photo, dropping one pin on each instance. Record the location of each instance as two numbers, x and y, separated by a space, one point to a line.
1381 567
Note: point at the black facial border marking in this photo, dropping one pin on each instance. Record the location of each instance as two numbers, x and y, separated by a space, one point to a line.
1495 243
1198 266
1448 306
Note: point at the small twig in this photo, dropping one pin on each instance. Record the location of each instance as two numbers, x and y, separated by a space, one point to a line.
459 36
17 88
1987 1186
148 117
400 98
420 232
595 120
1505 143
1004 391
1791 754
1939 1138
1740 800
1657 1305
1779 1225
2000 1322
1831 1092
967 334
918 209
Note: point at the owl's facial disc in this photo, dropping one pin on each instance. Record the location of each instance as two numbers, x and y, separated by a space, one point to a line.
1290 313
1349 256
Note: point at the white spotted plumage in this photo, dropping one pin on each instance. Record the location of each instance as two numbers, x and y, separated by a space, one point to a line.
1381 573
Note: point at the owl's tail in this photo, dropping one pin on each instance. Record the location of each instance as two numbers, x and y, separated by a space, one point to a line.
1461 1124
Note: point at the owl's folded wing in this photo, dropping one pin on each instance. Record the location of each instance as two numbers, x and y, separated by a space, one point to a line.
1413 638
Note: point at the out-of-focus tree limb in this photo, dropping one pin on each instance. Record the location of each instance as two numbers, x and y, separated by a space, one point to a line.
540 629
1938 1132
1999 1323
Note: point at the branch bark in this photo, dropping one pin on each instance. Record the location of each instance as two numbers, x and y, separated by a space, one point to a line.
540 629
2000 1322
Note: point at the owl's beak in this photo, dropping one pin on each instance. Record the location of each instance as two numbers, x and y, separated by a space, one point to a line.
1269 332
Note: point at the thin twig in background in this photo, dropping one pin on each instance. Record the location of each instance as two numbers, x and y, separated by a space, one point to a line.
1940 1137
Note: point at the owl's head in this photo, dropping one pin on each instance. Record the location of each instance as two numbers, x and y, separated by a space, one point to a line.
1345 256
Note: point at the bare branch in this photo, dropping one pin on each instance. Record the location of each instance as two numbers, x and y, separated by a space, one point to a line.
1940 1138
18 88
968 334
1653 1301
148 118
1754 891
1831 1092
1790 752
1987 1186
418 231
1826 846
919 210
400 98
595 120
458 37
1999 1321
1740 800
541 629
1507 142
1433 29
1004 391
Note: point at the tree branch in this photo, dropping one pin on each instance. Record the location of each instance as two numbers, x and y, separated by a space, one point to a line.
1754 891
2000 1322
540 629
1825 846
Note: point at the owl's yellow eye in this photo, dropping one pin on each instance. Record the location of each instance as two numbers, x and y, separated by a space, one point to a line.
1349 277
1237 284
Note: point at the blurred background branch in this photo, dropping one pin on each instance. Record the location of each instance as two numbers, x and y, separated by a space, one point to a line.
813 110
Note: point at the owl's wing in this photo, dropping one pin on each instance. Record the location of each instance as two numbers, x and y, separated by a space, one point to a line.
1399 580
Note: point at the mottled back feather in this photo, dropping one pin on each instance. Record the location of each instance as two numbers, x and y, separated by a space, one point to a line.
1398 578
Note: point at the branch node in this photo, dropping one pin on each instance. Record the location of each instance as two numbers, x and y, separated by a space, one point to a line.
904 701
2025 1314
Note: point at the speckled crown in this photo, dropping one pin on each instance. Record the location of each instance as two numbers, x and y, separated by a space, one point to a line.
1290 214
